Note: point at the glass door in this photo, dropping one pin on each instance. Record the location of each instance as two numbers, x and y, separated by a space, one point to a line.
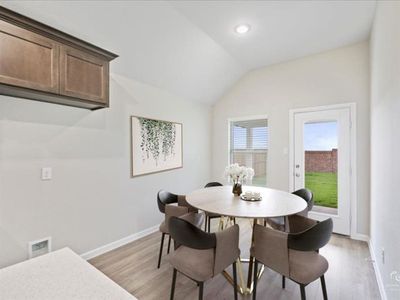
322 163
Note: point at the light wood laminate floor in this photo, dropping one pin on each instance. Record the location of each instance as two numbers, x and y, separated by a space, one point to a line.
133 266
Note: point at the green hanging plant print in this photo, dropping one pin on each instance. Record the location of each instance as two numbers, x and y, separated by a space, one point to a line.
158 138
159 144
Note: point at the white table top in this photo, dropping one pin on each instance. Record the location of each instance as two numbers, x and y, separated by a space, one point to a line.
59 275
220 200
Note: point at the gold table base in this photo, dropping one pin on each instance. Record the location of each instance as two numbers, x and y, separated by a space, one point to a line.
242 288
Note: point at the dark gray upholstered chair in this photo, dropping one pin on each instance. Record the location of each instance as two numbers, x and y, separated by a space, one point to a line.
200 255
279 223
174 205
210 216
308 196
294 255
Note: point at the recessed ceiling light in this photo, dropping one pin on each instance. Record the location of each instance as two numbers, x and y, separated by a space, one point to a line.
242 28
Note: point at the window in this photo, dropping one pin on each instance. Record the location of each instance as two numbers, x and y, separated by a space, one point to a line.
249 147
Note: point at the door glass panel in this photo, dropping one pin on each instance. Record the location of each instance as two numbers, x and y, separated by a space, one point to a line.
321 164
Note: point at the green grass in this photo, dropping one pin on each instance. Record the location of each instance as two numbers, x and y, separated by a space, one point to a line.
324 188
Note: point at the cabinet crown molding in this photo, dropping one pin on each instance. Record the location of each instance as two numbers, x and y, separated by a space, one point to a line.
25 22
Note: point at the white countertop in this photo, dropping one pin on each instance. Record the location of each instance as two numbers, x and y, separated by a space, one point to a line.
59 275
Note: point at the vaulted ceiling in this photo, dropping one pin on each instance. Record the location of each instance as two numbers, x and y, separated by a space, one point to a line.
190 48
280 30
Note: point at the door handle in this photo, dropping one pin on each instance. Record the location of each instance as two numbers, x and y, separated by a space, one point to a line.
297 174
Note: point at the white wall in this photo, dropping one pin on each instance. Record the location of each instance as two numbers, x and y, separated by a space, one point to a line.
91 200
337 76
385 143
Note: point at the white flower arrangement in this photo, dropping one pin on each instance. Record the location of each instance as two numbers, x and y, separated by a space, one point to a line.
238 174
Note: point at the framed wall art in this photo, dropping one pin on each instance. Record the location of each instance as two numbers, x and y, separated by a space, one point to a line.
156 145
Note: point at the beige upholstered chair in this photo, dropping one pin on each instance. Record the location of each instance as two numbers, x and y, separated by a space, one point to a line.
201 255
294 255
172 205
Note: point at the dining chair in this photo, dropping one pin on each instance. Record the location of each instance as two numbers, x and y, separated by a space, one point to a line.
293 255
210 216
200 255
174 205
279 223
308 196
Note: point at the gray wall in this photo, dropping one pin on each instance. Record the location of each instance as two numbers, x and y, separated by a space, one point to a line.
337 76
385 144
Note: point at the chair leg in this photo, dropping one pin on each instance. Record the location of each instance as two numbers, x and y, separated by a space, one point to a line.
173 285
234 280
303 292
161 249
169 244
255 279
265 222
234 220
209 224
323 285
205 223
201 287
283 282
250 272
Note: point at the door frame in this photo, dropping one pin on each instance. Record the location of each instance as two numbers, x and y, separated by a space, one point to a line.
353 155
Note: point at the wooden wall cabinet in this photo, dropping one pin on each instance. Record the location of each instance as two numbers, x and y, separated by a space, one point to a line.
83 75
42 63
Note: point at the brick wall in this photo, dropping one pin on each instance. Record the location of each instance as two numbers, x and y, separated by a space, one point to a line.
321 161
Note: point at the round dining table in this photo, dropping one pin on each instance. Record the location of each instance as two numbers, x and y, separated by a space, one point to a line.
220 200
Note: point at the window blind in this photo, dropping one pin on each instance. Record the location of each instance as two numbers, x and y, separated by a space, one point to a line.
249 147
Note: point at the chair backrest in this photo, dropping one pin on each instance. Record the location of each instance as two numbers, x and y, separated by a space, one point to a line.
307 195
186 234
164 198
313 238
214 183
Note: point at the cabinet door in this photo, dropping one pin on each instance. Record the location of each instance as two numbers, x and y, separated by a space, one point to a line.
27 59
83 75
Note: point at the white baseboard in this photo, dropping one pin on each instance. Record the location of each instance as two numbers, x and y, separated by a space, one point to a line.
360 237
377 271
113 245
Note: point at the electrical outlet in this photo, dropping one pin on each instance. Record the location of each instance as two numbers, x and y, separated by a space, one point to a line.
383 255
46 173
